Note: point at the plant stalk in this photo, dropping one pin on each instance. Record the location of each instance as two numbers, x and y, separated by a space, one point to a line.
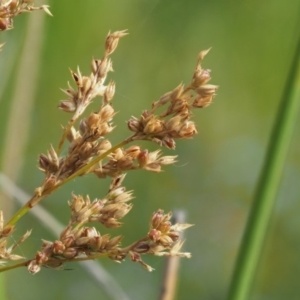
261 211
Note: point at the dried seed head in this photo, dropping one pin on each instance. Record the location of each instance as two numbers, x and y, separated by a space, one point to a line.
165 240
201 102
187 130
206 90
109 92
133 151
154 235
73 134
174 236
142 158
153 126
167 160
82 241
33 267
83 127
157 218
105 67
91 232
200 77
49 183
68 240
95 65
12 4
86 84
103 146
41 257
77 204
77 78
134 125
125 163
124 197
177 92
58 247
95 243
163 99
115 193
173 124
112 41
113 243
112 223
134 256
70 253
168 142
106 113
122 211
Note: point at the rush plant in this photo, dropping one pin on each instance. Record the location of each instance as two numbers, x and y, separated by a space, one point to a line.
88 150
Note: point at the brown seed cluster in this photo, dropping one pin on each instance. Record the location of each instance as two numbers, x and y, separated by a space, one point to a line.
89 87
133 158
90 151
87 142
11 8
162 239
79 240
175 121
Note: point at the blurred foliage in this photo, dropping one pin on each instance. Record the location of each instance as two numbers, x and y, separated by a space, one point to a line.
252 46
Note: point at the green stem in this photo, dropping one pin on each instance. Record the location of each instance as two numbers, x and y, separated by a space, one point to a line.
19 214
11 267
260 214
76 259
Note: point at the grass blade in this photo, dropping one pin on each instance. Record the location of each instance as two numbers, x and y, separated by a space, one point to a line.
260 214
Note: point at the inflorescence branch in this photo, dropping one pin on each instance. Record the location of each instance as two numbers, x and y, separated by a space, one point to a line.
89 151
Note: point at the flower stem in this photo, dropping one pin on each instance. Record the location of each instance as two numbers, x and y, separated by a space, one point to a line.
261 211
11 267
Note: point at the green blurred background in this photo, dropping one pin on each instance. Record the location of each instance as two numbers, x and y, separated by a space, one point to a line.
252 47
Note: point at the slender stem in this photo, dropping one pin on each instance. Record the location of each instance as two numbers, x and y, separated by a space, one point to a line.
11 267
19 214
60 261
260 214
